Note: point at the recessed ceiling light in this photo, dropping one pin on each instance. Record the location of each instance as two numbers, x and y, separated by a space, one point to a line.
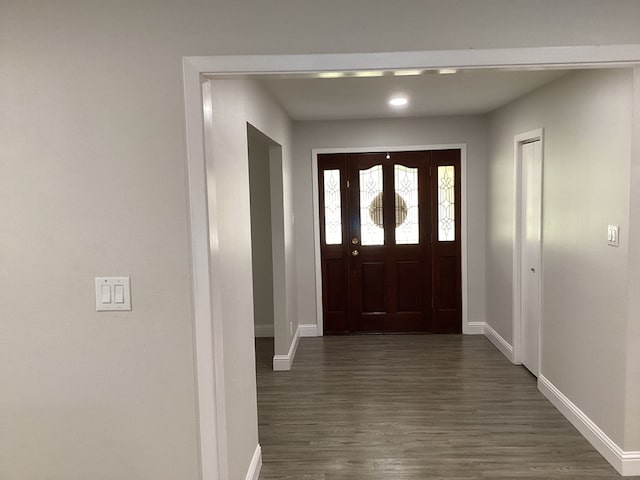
398 101
331 75
407 73
369 74
447 71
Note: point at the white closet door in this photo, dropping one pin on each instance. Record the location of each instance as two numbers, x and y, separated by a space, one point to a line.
531 243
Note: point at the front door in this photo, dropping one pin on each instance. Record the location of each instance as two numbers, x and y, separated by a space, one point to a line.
390 242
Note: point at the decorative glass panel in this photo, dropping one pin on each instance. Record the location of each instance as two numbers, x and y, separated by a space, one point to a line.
407 219
371 206
332 208
446 204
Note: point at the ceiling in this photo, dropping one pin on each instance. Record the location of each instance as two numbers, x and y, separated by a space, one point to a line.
468 92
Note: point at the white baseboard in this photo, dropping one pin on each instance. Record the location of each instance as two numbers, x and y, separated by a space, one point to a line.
283 363
256 465
262 331
308 330
473 328
626 463
500 343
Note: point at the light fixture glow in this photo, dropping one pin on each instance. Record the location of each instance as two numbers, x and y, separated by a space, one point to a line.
407 73
398 101
331 75
369 74
447 71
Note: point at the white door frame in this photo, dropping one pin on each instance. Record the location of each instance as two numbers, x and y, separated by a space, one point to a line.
467 327
206 298
519 140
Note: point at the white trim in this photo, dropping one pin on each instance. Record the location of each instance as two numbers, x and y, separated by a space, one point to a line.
316 241
263 331
308 330
207 320
630 464
464 243
518 140
253 473
500 343
570 56
282 363
473 328
626 463
466 326
206 301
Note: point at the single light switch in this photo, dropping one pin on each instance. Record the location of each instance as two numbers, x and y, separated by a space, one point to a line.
613 235
113 293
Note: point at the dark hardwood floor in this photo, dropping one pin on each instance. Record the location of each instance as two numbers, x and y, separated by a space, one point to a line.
398 407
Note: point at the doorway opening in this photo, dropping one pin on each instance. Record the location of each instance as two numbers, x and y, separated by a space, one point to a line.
390 241
209 354
265 199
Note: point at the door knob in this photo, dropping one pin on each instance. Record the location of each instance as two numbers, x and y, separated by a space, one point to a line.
354 240
533 270
355 253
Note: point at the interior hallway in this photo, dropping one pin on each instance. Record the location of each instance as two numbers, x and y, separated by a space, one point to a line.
412 407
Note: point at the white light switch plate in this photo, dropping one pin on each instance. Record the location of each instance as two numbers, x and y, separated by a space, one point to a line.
113 294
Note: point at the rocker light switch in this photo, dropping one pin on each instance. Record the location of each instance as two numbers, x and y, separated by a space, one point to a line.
118 294
106 293
613 235
113 293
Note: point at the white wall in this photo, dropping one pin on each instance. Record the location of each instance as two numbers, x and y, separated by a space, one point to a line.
92 182
469 130
586 118
261 253
234 104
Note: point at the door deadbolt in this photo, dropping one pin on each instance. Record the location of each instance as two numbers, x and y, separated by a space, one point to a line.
354 240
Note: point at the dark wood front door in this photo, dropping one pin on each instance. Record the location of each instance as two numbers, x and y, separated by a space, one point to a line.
390 242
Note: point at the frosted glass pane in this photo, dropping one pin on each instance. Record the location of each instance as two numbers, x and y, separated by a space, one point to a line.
371 206
446 204
332 208
407 218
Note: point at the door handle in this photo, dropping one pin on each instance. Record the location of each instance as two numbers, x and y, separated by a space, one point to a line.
533 270
355 253
354 240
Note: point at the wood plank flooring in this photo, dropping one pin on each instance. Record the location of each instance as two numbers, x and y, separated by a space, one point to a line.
399 407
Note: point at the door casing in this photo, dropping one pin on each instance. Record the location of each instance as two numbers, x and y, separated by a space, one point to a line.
209 356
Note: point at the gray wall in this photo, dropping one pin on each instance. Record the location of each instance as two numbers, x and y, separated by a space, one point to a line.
632 420
92 182
586 118
261 254
469 130
234 104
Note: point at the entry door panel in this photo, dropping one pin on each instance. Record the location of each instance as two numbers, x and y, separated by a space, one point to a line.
336 289
445 248
378 257
369 268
